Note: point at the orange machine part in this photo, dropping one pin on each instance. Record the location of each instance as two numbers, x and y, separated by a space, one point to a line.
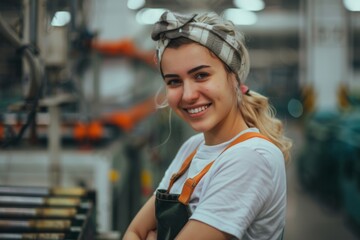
80 130
124 47
95 130
126 120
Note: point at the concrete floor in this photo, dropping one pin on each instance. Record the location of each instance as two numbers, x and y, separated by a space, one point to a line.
307 218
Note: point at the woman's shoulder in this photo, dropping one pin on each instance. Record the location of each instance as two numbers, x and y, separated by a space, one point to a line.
254 151
262 147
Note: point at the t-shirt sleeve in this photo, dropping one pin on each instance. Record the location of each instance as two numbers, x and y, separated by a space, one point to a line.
240 183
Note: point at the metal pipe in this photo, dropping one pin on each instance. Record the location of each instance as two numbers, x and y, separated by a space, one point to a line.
34 61
33 21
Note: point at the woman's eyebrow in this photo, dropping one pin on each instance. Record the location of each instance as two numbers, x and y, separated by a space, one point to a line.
189 72
170 76
197 68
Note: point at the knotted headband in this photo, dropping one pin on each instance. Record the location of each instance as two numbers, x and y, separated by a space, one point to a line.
173 25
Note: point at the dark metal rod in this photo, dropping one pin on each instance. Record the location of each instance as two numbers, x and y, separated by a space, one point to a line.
33 21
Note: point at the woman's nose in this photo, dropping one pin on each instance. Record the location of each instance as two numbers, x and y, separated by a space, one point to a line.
190 92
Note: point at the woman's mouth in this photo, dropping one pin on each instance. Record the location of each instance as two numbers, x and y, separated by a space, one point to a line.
197 109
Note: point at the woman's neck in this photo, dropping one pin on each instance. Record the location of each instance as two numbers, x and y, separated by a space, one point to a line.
225 131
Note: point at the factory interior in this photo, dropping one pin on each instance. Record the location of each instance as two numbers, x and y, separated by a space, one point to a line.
81 135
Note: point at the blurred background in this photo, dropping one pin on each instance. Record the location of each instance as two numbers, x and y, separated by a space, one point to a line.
82 145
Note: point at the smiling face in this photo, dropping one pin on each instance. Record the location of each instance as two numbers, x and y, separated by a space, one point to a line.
201 92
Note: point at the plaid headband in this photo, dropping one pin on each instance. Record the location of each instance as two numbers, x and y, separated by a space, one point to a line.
174 25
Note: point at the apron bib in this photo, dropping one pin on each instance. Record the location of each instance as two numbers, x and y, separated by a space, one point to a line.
171 215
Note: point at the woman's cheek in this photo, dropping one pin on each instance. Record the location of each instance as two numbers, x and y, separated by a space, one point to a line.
173 97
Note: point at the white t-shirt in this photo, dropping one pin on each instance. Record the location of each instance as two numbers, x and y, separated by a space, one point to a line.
243 193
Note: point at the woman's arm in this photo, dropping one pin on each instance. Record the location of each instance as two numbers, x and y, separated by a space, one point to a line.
199 230
143 223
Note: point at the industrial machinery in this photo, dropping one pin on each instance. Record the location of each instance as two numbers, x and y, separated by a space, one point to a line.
51 136
46 213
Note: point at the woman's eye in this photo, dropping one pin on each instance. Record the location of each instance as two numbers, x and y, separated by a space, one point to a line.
173 82
200 76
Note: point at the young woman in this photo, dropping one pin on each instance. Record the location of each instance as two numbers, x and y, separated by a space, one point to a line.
228 181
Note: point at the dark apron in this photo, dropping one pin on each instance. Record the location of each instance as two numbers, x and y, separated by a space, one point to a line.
171 215
172 210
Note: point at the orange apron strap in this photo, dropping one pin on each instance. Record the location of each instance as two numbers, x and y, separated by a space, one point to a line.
190 183
184 167
244 137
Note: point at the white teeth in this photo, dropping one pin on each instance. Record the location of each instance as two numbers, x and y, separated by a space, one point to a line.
197 110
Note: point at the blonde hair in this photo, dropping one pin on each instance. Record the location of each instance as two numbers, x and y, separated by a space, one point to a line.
254 107
257 112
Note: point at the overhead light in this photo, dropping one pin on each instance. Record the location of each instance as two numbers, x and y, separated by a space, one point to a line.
250 5
240 16
352 5
60 19
135 4
149 15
